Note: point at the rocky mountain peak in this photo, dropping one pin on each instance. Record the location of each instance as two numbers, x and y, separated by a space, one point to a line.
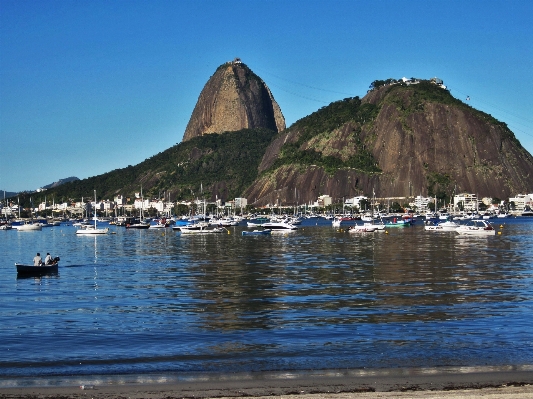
234 98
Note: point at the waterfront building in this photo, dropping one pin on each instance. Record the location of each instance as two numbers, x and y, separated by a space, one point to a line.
323 201
520 202
465 202
355 201
421 203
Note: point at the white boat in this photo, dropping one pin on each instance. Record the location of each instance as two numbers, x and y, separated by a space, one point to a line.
444 226
28 227
91 230
201 228
488 215
227 221
280 226
444 215
363 228
336 222
160 224
430 215
477 228
367 217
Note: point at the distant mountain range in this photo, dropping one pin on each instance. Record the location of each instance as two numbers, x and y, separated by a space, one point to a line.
9 194
403 138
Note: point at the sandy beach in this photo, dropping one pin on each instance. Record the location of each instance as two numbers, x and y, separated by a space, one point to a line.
515 384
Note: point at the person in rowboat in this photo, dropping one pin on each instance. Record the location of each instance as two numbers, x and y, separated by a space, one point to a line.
48 260
37 261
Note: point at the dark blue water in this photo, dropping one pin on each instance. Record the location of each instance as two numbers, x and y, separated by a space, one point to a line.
156 302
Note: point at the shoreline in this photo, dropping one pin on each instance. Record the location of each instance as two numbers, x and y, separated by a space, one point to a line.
512 383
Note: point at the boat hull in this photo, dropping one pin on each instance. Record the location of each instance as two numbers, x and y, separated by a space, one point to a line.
257 233
204 231
28 227
477 228
476 232
92 231
138 226
280 226
30 270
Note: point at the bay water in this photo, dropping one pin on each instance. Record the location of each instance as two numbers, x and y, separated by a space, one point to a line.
137 302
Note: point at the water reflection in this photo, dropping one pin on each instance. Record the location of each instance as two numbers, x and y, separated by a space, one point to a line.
143 299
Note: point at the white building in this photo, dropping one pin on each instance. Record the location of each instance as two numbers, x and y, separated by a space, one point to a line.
120 200
468 202
323 201
421 203
521 201
159 206
7 211
144 203
355 201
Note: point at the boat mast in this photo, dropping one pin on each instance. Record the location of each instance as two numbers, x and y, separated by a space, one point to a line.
142 205
95 209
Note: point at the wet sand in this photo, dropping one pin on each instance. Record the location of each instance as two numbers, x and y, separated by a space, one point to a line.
515 384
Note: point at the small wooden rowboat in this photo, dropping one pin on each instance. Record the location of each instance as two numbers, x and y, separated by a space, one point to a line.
36 270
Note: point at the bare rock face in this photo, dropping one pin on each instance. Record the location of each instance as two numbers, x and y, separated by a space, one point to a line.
234 98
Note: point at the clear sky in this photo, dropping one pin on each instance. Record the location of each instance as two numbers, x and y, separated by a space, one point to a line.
91 86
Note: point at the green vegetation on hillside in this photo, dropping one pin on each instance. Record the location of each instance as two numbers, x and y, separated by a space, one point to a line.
230 158
327 119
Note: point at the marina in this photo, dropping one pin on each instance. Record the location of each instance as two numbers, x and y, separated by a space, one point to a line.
153 301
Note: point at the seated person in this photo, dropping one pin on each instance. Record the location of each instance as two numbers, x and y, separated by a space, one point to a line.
37 261
48 259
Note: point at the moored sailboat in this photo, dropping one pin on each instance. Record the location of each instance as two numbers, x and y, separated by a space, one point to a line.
91 230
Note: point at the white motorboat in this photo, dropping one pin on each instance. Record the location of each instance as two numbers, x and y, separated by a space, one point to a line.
28 227
280 226
444 226
477 228
227 221
364 228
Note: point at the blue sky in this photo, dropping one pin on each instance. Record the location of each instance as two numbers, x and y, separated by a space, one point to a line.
91 86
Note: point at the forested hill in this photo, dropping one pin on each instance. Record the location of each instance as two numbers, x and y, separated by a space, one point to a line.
402 139
221 165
